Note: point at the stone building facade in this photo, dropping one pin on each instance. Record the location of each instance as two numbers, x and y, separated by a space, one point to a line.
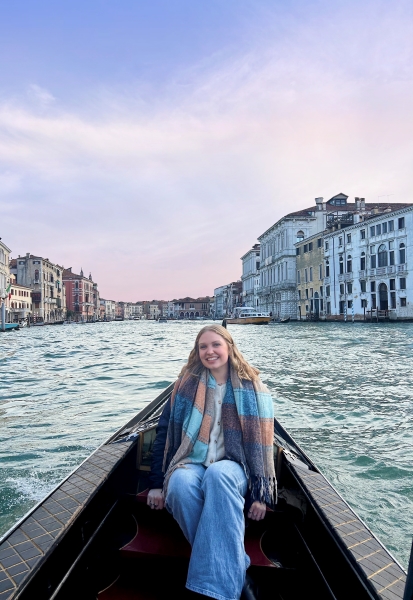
81 296
19 302
191 308
227 298
277 292
110 309
251 276
310 277
45 279
367 266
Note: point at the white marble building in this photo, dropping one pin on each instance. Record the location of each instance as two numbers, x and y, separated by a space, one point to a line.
110 309
251 276
367 266
277 292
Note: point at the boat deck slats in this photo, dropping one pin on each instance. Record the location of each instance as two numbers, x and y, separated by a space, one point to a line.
386 576
29 543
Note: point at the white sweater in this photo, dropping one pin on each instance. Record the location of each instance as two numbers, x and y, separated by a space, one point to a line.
216 450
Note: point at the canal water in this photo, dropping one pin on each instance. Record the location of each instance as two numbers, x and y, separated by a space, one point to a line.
344 391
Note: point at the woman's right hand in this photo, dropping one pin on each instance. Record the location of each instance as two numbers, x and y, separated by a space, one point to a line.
156 499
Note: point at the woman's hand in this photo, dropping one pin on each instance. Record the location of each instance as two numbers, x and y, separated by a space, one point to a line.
155 499
257 511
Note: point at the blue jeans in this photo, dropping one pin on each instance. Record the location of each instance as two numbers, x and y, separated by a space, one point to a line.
208 504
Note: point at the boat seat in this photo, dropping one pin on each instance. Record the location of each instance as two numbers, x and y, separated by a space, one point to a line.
158 534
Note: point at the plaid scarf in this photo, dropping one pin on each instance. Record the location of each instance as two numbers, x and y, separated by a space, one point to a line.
248 424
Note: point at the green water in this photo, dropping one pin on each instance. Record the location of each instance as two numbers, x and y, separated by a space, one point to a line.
344 391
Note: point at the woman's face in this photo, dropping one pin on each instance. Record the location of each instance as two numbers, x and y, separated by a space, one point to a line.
213 350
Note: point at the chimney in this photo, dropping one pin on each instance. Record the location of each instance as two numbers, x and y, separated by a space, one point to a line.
357 199
362 204
319 203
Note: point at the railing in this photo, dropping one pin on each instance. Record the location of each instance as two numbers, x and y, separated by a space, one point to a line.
345 276
362 274
276 287
380 271
327 280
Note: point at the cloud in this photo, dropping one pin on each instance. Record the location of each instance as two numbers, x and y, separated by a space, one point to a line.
159 191
40 95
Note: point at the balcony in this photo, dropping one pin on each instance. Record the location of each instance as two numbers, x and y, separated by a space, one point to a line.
345 276
327 280
363 274
277 287
340 221
383 271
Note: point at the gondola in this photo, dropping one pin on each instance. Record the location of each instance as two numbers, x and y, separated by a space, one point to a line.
94 538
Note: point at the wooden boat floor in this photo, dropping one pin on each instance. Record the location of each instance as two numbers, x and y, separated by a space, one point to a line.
148 584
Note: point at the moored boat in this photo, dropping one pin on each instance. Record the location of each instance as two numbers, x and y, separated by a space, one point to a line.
93 537
247 315
9 326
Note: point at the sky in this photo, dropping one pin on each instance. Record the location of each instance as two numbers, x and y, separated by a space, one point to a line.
151 142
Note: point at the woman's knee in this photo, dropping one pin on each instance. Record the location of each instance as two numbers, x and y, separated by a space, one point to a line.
225 473
182 483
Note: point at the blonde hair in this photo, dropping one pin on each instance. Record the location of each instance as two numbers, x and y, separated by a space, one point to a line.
194 365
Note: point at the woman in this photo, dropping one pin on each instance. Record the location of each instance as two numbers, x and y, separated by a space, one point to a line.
214 447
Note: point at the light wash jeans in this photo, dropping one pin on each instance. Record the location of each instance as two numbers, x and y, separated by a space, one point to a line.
208 504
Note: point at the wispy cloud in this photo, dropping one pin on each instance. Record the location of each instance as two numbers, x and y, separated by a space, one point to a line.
40 95
159 192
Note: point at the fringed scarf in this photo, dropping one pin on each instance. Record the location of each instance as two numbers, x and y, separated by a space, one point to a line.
248 424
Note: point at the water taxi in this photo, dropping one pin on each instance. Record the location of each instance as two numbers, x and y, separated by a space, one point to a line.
246 315
93 537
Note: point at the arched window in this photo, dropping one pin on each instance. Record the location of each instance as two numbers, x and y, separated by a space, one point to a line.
36 275
349 264
402 254
382 256
341 265
300 236
327 268
363 261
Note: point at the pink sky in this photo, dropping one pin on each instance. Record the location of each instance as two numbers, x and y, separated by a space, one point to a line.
158 190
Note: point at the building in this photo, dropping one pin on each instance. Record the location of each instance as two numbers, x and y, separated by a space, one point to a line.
310 277
110 309
191 308
4 275
251 276
102 310
367 266
170 310
19 302
81 296
278 292
45 279
136 310
227 298
127 310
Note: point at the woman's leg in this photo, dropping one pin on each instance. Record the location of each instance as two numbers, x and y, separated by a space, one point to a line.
185 498
218 560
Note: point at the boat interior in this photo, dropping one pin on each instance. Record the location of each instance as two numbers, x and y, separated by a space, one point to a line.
107 544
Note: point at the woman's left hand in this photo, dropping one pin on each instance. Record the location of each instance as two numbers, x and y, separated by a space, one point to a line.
257 511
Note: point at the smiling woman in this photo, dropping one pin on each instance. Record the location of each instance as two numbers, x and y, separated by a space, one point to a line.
217 403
